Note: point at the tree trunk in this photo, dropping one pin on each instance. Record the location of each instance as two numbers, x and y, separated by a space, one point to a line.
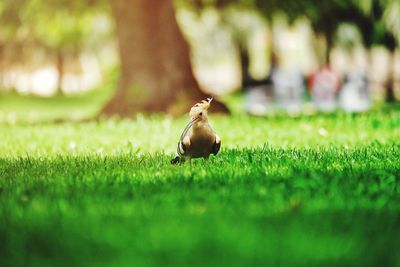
60 71
1 67
244 65
329 46
390 94
156 74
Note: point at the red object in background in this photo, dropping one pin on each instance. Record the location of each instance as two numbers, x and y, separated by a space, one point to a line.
324 86
325 75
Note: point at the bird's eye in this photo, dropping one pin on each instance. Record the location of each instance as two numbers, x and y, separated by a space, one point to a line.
196 105
201 113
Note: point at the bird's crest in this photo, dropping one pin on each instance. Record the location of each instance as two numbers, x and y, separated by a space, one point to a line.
203 104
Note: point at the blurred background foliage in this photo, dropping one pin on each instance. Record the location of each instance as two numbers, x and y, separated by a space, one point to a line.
50 47
50 38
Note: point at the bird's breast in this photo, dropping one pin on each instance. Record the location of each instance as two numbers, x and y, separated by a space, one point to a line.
201 142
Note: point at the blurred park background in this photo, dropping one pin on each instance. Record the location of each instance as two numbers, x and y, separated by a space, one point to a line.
79 59
311 178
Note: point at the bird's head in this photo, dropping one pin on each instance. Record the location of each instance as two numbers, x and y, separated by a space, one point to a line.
199 111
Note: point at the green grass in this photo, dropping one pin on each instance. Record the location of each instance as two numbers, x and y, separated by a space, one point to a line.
33 109
320 190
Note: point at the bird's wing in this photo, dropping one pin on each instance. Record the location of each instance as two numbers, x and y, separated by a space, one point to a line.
217 145
183 145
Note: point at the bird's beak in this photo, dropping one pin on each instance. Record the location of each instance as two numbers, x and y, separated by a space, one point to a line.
190 123
193 121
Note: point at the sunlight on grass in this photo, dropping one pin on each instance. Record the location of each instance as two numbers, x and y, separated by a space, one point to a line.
160 134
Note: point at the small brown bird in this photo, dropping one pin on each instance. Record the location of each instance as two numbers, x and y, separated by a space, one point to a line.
198 140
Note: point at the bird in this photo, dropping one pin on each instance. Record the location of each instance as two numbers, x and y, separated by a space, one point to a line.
198 140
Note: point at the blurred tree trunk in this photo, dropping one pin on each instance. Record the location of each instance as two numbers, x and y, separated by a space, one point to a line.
329 46
325 37
2 67
390 95
156 71
60 71
245 65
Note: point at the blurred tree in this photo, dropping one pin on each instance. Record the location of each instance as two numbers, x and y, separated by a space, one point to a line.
156 70
62 29
10 46
242 29
376 20
61 33
232 17
381 35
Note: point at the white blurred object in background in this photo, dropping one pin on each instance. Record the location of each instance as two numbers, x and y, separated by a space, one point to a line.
288 88
257 100
355 96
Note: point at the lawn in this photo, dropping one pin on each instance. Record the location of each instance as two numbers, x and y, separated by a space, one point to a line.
312 190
